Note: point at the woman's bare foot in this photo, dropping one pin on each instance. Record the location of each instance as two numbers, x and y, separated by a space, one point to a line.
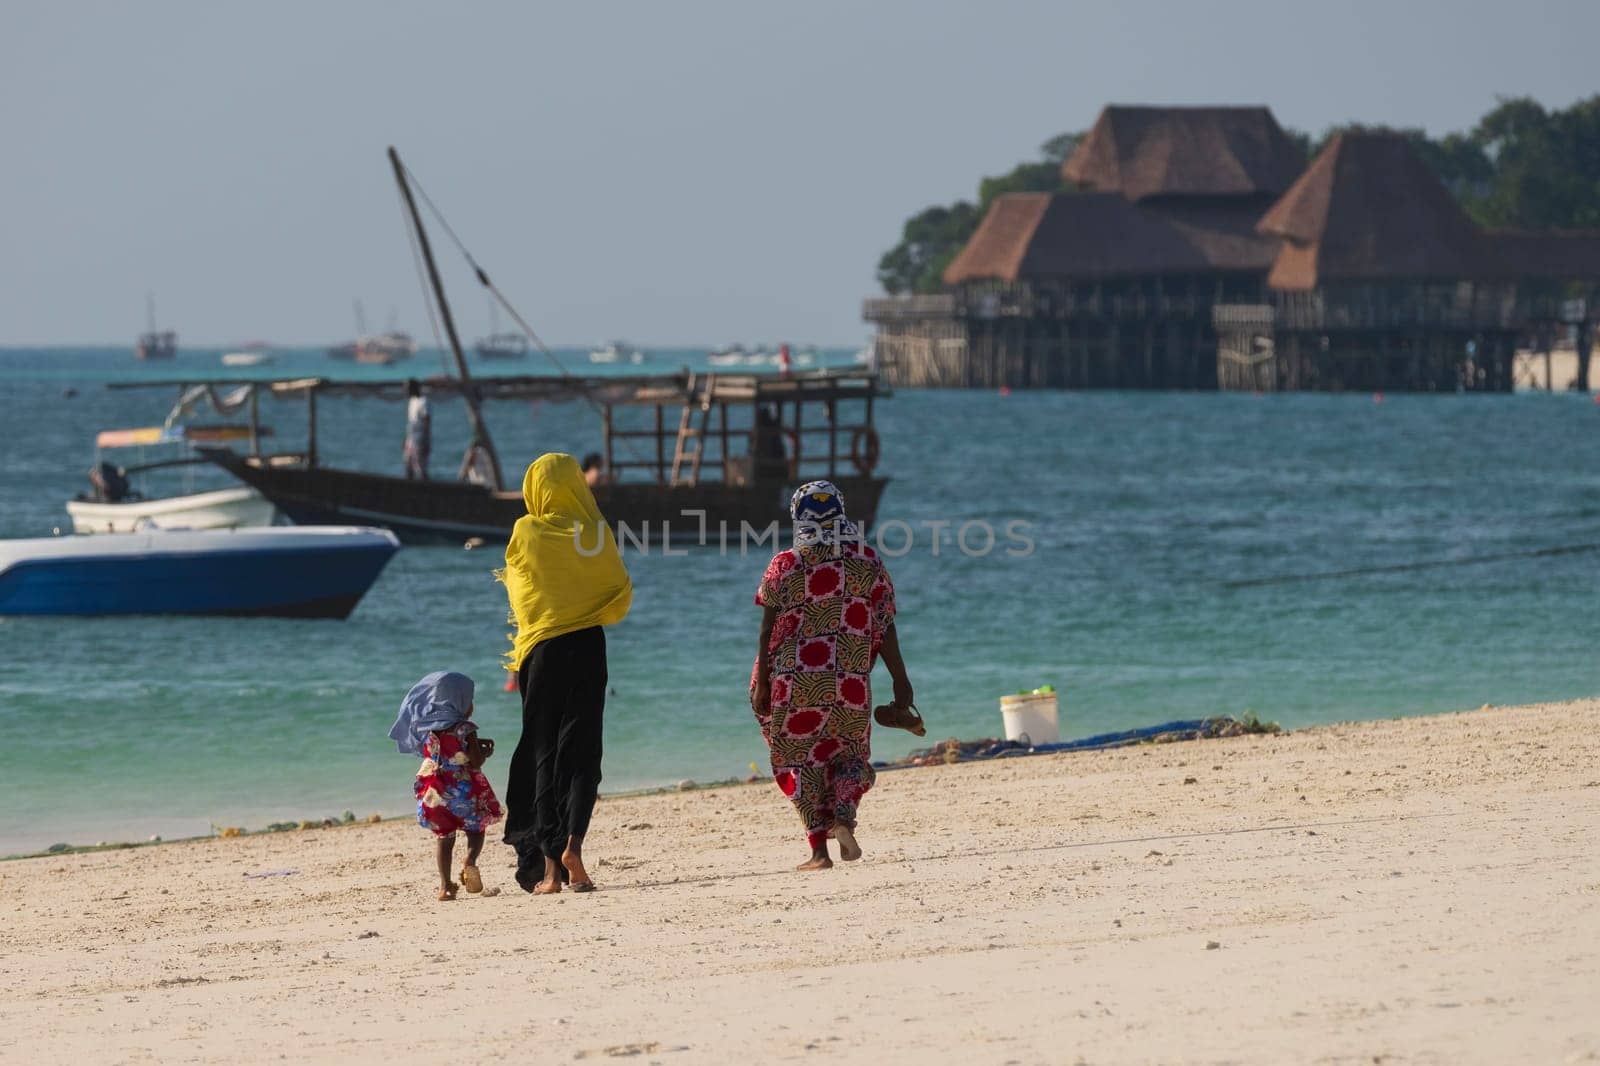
849 850
553 876
819 856
448 892
572 859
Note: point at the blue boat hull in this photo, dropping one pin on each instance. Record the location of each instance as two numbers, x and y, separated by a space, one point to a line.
290 582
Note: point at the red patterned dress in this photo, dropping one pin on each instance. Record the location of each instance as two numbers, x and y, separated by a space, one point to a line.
834 603
452 795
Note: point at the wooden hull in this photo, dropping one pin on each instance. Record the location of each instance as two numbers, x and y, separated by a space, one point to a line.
450 511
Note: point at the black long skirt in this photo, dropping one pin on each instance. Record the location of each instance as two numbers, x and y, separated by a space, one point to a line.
555 771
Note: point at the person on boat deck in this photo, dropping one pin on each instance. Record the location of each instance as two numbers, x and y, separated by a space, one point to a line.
772 459
565 580
594 470
828 612
419 432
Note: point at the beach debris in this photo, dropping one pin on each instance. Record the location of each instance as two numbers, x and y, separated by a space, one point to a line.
952 750
491 892
155 838
687 785
347 817
374 819
624 1051
57 849
639 825
272 873
229 831
1191 780
368 935
1213 945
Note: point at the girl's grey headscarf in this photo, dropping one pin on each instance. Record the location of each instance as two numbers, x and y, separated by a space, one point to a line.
438 701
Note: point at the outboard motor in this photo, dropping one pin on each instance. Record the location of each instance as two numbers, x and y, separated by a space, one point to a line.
110 482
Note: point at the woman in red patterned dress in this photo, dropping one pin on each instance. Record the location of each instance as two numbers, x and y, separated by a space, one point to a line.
828 614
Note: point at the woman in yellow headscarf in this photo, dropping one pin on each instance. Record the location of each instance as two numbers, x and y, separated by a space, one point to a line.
565 579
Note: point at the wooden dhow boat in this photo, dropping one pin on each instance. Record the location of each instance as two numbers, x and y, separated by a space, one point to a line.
730 448
687 458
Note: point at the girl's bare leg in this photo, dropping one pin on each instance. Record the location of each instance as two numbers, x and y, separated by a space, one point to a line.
443 848
469 869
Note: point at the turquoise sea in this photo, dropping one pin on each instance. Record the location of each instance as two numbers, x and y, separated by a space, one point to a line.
1141 509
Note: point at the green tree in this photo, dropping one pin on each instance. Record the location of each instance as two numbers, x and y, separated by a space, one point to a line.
1546 164
933 236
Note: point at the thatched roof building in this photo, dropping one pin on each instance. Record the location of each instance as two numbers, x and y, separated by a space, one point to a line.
1145 152
1100 236
1168 191
1201 250
1369 209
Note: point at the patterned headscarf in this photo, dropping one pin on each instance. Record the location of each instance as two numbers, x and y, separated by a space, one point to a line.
817 508
438 701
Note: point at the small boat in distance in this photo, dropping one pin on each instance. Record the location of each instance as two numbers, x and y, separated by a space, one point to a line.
285 571
155 343
616 352
380 349
499 345
246 358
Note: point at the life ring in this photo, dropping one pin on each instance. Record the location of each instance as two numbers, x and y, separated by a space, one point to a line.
864 450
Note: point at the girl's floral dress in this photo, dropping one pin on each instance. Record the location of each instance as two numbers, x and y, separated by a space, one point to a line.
834 603
452 795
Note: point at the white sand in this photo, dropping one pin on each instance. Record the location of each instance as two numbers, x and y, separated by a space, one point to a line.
1425 890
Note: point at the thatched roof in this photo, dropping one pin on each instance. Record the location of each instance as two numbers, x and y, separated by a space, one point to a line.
1091 236
1553 254
1369 209
1142 152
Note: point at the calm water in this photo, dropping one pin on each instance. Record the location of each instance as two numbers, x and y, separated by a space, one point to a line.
1141 509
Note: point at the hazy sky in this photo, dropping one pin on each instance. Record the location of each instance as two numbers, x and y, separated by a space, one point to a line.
665 172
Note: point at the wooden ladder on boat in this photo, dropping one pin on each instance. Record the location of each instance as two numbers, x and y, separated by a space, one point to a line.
691 447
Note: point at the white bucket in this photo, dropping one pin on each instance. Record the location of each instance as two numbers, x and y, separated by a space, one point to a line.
1031 717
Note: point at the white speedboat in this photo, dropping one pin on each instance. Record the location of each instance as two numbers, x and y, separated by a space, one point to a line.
231 508
115 505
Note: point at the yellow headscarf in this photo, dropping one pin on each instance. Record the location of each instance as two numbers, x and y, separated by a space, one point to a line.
563 572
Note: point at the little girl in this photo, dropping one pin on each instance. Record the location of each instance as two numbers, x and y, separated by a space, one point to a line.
435 722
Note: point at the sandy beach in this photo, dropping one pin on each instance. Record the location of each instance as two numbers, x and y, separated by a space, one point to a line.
1416 890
